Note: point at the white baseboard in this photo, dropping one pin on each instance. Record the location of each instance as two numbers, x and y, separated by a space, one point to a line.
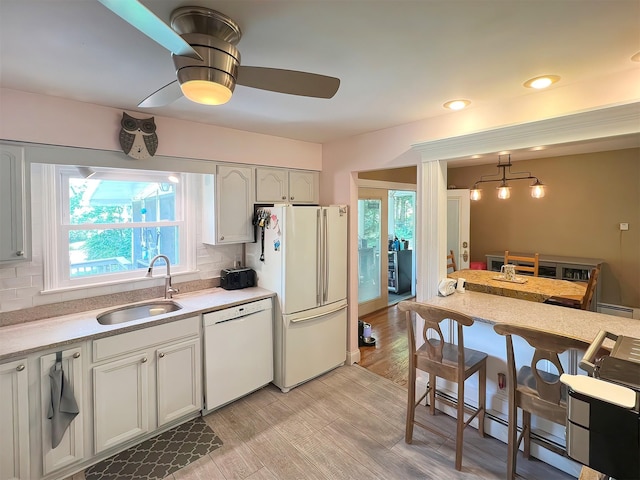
619 310
353 357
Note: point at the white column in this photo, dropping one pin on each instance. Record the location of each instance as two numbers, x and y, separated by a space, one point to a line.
432 234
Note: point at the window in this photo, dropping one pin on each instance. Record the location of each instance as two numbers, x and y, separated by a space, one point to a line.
110 223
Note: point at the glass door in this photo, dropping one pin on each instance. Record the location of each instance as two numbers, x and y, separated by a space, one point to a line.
372 250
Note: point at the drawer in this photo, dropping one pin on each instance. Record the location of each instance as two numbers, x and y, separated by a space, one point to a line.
123 343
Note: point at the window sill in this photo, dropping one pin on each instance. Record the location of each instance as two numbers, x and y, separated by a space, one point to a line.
140 282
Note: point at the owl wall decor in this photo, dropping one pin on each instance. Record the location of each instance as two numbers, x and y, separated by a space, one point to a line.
138 137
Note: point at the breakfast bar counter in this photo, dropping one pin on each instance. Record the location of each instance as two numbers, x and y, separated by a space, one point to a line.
494 309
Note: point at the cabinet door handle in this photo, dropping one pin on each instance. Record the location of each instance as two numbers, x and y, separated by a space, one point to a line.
144 359
20 368
221 237
76 355
161 355
292 198
20 253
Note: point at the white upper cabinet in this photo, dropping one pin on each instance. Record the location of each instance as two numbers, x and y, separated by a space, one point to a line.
14 207
277 185
227 206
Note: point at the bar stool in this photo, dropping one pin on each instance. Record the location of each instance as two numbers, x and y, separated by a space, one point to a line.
446 360
534 391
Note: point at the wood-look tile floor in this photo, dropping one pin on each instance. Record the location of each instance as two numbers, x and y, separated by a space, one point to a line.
346 424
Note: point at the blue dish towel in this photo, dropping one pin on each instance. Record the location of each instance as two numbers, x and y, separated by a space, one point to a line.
63 407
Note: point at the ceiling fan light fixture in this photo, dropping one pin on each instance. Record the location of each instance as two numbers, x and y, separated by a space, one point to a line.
205 85
206 92
541 82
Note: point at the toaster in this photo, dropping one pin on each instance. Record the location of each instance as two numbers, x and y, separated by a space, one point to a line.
235 278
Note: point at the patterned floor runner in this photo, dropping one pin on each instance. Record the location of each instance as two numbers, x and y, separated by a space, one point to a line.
159 456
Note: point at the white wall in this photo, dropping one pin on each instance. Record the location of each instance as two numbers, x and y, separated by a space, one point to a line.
48 120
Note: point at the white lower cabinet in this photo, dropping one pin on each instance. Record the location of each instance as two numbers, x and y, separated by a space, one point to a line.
71 449
179 389
14 420
155 379
120 401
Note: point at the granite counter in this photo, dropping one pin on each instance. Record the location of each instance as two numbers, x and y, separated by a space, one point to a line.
25 338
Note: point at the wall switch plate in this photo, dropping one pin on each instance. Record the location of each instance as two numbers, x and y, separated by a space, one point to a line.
624 226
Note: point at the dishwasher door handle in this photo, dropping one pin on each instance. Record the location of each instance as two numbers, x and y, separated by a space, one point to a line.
248 314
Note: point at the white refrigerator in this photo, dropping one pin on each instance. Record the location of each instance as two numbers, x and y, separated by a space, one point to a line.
303 258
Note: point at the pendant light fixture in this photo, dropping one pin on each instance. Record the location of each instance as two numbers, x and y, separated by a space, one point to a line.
504 189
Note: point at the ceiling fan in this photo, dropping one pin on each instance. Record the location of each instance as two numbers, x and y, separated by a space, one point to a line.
202 43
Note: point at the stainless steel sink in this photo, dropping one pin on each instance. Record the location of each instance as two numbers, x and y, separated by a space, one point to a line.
137 311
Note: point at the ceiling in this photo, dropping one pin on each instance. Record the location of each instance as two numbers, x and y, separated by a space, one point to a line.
398 61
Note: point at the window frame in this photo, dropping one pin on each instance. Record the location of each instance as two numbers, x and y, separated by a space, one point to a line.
56 221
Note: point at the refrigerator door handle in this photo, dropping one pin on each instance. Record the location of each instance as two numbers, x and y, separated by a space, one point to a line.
323 314
325 239
318 260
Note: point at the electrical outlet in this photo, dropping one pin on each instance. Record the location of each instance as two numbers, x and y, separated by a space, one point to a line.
624 226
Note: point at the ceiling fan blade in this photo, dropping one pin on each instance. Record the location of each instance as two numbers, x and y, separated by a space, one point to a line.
133 12
163 96
288 81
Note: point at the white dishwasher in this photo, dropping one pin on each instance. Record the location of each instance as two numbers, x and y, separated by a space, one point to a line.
238 351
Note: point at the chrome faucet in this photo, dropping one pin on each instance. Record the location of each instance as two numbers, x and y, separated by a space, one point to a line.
168 289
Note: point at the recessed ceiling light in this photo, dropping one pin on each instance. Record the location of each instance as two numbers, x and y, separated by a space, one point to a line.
457 104
635 57
173 178
541 82
537 149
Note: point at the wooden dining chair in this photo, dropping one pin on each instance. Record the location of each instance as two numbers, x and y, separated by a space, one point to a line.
583 303
445 360
451 262
534 391
531 266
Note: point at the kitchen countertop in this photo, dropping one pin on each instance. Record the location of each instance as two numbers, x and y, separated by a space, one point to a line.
494 309
25 338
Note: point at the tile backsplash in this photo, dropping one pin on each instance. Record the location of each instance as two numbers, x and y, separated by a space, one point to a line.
20 285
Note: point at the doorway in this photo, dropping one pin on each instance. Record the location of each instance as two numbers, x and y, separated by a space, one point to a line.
386 243
401 245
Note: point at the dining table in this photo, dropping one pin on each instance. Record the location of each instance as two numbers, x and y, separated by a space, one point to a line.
524 287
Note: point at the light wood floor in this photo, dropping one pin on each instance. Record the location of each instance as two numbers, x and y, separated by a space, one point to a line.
346 424
389 357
